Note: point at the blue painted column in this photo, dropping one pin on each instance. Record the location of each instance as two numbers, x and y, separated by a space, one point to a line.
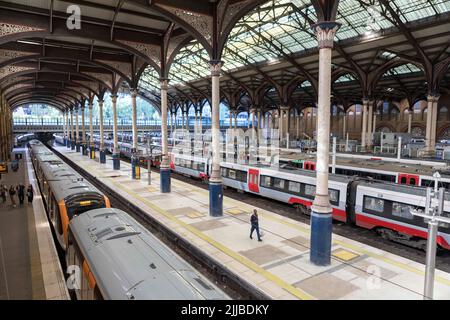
116 151
321 216
84 150
164 171
102 138
215 181
135 169
77 130
91 132
72 133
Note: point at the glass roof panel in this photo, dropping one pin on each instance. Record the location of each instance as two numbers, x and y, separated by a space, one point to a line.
282 27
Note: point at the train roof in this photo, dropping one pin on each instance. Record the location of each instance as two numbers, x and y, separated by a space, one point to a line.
387 186
64 181
375 164
129 263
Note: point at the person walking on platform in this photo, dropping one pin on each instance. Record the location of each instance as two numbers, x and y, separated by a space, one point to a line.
254 220
12 193
3 192
30 194
21 193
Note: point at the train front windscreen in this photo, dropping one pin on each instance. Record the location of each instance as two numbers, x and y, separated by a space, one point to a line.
84 202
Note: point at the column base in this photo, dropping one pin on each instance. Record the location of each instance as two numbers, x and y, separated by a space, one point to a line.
102 156
165 182
77 147
135 168
215 199
321 229
84 150
92 152
116 161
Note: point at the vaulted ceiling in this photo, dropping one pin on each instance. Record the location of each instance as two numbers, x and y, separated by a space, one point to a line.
268 49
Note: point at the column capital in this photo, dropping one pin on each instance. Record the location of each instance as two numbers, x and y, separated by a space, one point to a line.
216 67
134 93
114 98
433 97
325 32
100 102
284 108
90 105
164 84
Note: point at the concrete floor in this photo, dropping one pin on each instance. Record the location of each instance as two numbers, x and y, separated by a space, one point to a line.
20 266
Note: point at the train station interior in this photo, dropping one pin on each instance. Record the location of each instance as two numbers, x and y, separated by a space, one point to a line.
224 150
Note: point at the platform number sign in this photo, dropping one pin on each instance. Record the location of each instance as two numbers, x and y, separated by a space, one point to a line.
74 280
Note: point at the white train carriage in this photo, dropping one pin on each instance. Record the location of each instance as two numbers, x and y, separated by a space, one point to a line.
296 187
386 208
59 139
118 259
196 167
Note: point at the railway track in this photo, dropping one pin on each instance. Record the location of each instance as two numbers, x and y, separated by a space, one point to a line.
224 278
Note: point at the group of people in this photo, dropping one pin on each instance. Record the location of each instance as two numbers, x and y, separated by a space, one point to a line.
19 191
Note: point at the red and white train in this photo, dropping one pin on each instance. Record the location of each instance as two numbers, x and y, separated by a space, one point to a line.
377 205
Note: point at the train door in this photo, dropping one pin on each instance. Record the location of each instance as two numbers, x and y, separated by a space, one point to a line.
309 165
352 188
253 180
408 179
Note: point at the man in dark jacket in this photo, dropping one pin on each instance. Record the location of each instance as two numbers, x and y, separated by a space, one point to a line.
21 193
255 225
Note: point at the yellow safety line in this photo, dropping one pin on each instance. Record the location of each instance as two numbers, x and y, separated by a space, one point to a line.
344 244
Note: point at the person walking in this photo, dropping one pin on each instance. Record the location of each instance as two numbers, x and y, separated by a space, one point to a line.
3 191
30 194
254 220
12 193
21 193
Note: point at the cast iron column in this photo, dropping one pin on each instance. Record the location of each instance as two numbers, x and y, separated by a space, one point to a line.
321 215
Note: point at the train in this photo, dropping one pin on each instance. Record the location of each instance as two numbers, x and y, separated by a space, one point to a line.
116 257
377 205
65 192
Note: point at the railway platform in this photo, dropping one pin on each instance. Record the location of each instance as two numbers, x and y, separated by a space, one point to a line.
29 263
278 266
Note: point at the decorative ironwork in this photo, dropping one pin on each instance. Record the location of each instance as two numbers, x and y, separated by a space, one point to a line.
10 28
151 51
230 12
200 22
8 70
6 55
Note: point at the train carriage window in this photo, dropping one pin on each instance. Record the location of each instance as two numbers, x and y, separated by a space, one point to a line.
201 167
403 180
294 187
402 210
334 195
278 183
373 204
242 176
266 181
310 190
232 174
